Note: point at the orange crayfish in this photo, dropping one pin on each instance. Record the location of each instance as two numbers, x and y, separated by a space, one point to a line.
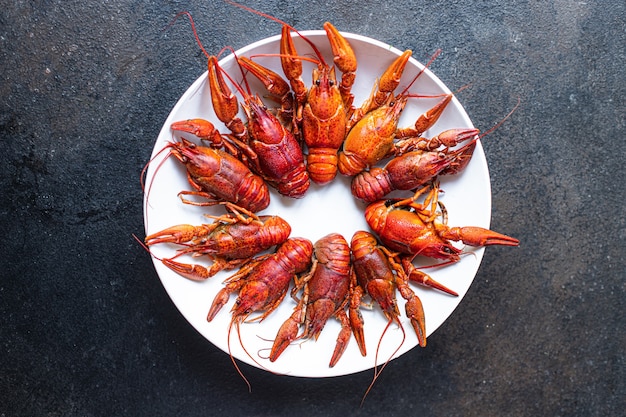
405 226
231 240
410 170
262 284
371 138
326 290
268 148
323 110
377 273
219 177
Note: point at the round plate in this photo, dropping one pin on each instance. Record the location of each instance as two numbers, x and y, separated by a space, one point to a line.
323 210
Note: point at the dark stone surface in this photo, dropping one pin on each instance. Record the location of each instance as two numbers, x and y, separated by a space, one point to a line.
87 329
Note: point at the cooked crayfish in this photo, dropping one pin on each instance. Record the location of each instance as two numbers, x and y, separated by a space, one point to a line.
262 284
265 146
231 240
322 110
419 160
268 148
326 110
219 177
372 137
378 273
412 228
411 170
326 290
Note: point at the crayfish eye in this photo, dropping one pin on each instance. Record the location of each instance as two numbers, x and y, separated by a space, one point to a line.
388 203
331 82
318 82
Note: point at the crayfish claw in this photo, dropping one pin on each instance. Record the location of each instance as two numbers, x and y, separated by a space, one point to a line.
342 339
218 302
292 65
178 234
273 82
413 308
356 320
422 278
200 128
193 272
344 58
478 236
453 137
287 333
390 79
225 103
415 312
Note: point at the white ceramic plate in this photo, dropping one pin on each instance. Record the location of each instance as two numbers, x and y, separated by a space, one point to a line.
323 210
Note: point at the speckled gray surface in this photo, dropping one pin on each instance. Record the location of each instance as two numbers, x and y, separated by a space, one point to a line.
88 330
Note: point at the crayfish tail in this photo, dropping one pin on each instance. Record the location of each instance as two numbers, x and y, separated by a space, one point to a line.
322 165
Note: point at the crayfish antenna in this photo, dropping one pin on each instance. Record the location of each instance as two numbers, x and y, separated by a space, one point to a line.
232 358
497 125
377 372
237 323
282 22
143 245
193 29
144 174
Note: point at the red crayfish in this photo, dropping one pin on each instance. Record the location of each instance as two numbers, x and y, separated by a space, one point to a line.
419 160
231 240
262 284
269 149
218 176
410 170
412 228
378 273
325 294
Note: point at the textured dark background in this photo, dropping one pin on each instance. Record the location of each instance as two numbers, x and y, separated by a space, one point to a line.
88 330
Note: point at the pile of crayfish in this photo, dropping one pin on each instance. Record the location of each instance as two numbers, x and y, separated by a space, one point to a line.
312 133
